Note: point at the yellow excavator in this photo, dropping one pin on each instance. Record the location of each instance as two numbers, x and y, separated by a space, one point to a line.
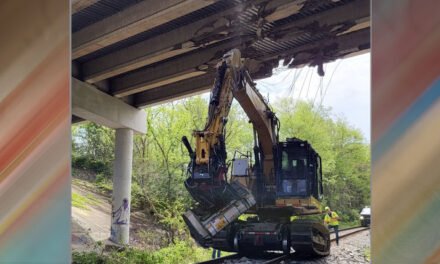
278 181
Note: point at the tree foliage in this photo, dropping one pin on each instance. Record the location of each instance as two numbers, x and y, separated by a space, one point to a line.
93 148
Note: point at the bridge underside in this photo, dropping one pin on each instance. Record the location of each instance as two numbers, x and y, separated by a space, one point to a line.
148 52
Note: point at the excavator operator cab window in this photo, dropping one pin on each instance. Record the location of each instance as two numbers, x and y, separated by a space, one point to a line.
292 180
320 190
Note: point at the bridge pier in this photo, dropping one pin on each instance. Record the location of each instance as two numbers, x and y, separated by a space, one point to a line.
89 103
120 220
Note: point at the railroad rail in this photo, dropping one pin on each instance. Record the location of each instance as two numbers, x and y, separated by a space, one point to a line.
348 232
221 259
274 258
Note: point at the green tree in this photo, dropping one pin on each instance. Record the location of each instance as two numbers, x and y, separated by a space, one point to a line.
344 152
93 148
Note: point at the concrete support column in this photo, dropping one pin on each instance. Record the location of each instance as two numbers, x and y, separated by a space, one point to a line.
120 224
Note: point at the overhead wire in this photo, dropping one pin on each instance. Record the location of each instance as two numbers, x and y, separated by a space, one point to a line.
300 91
318 89
291 88
308 87
325 91
329 81
322 80
268 86
320 85
292 83
282 80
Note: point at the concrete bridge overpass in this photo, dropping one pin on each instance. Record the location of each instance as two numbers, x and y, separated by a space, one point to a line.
131 54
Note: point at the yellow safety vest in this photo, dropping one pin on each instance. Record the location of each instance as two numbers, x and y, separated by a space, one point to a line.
333 220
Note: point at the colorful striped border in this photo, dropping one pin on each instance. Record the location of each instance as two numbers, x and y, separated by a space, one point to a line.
405 132
35 132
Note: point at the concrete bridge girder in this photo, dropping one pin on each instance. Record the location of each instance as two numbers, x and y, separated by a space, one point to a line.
91 104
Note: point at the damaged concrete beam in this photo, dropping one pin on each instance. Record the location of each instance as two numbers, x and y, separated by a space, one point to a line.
355 42
354 12
279 9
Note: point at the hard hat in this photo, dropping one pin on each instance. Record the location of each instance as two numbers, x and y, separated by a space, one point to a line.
327 208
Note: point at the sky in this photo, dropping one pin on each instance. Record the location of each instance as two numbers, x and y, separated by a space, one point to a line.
345 88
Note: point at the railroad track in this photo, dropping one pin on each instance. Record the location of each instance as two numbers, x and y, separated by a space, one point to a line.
277 258
347 232
221 259
268 259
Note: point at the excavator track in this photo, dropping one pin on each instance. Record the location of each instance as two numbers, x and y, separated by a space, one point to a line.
306 237
310 238
276 257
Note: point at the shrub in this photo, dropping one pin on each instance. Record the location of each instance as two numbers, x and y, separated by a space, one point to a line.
101 178
105 186
79 162
137 196
89 163
98 166
180 252
88 258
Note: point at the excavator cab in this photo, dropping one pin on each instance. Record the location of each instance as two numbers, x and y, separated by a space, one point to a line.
298 177
299 170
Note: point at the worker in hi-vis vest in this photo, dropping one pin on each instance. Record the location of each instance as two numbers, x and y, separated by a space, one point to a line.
331 219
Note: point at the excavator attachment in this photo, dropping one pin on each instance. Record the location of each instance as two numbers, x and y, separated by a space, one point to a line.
204 227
